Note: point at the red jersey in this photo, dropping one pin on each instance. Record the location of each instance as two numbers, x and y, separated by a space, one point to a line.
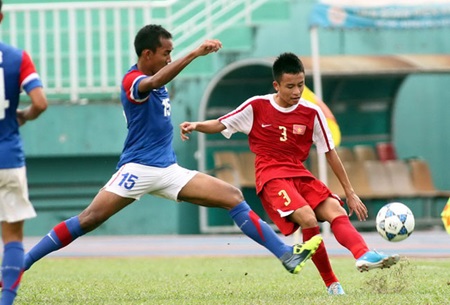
281 138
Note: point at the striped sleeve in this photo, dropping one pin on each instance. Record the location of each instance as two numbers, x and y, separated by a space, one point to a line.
28 77
130 85
322 134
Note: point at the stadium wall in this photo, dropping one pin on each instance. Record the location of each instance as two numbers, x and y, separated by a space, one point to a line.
70 139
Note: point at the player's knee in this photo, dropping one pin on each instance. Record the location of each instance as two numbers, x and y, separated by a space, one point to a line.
309 221
304 217
237 195
233 198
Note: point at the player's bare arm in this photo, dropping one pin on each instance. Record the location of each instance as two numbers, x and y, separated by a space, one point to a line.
38 105
355 205
210 126
170 71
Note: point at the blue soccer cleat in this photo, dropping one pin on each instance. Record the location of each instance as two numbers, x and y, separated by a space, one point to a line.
335 289
373 259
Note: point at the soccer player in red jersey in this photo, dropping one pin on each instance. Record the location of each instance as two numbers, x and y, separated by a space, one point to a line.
281 129
17 73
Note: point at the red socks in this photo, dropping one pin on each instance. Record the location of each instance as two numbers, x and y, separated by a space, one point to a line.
348 237
320 258
346 234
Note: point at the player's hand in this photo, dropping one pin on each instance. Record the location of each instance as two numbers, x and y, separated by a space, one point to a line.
20 114
209 46
355 205
185 129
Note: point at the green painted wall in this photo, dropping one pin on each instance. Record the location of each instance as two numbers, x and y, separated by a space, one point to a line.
74 130
421 123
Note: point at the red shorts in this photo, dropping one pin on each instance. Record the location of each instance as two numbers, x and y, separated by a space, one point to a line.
281 197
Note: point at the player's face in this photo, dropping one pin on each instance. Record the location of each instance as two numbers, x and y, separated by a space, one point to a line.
289 89
161 57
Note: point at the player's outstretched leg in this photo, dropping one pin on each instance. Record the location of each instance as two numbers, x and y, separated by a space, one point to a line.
294 262
60 236
292 258
373 259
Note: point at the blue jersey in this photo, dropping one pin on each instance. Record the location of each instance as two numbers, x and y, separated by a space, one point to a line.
150 130
17 73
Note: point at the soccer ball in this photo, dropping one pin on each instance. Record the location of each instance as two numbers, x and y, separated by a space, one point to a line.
395 222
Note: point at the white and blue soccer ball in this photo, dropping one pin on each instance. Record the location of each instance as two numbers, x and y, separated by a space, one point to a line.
395 222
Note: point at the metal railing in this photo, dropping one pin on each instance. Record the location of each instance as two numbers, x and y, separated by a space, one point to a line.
82 49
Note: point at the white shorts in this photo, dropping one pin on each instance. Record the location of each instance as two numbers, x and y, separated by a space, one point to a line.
133 180
14 203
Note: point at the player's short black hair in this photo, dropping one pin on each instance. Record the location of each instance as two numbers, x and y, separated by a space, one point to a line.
149 37
1 4
286 63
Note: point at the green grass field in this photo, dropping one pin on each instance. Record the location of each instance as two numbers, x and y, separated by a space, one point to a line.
227 280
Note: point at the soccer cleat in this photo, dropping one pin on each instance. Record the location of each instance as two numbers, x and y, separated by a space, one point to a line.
373 259
300 254
335 289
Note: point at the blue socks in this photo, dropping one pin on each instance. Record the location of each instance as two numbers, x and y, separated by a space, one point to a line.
60 236
258 230
12 270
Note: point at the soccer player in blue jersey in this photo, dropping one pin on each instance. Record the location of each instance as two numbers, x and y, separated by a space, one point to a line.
17 73
148 164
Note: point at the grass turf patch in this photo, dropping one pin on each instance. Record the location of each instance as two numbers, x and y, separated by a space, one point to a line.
230 280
